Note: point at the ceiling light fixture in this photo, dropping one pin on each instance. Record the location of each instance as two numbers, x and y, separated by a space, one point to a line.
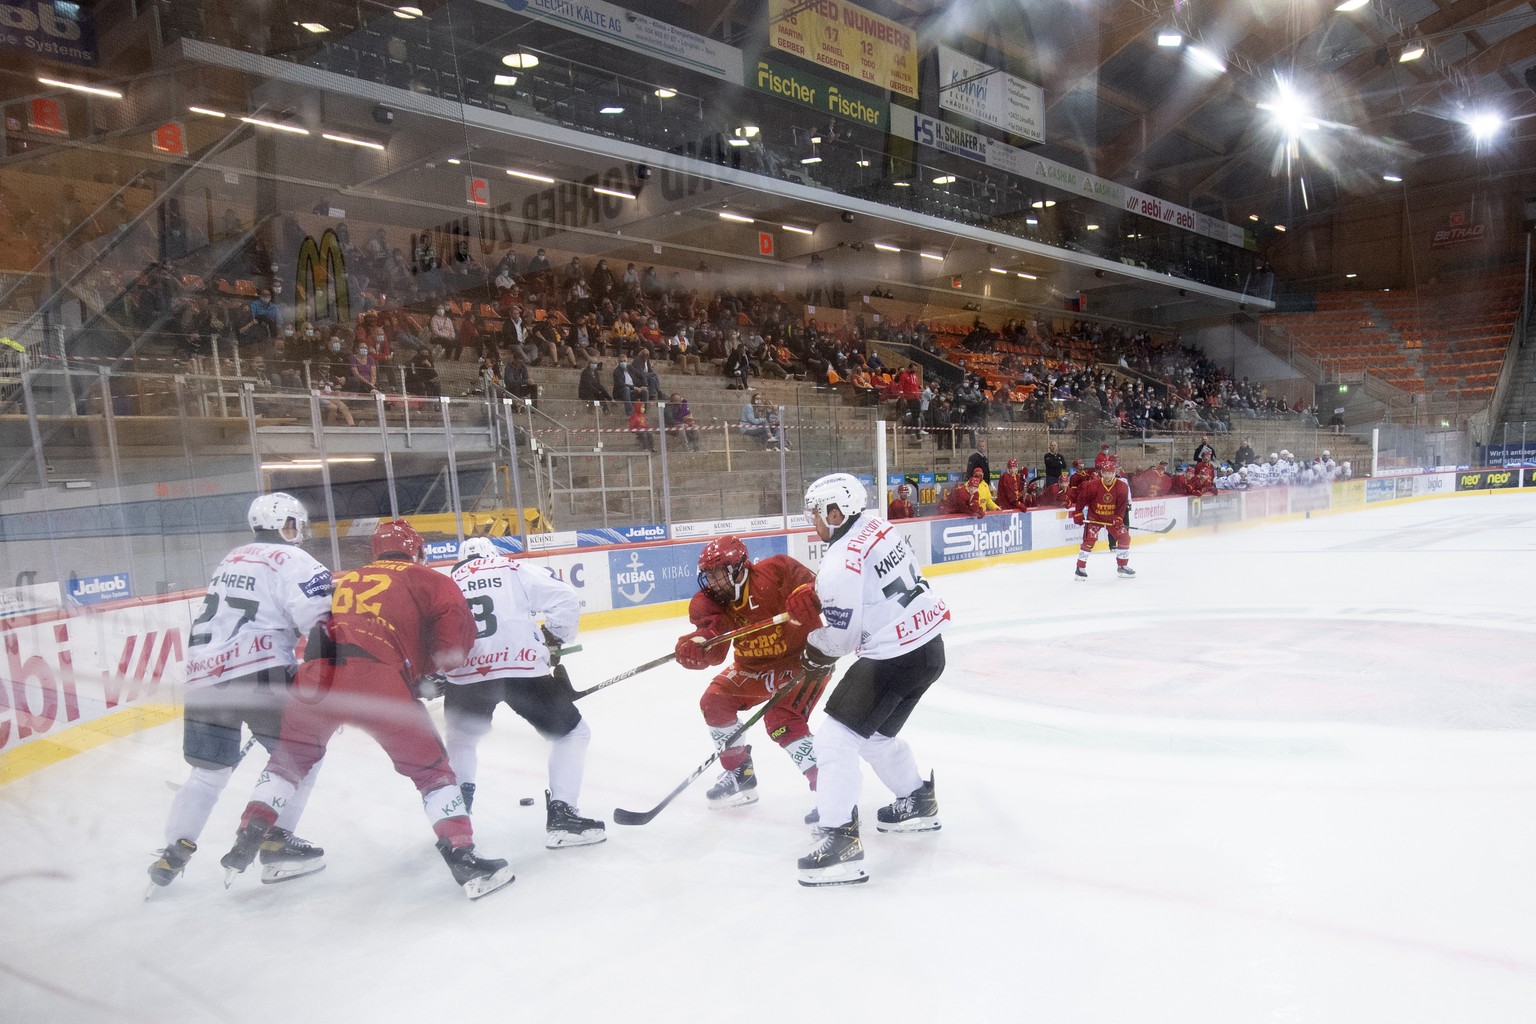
861 163
998 270
665 94
797 229
1253 216
408 13
530 176
1169 39
1280 228
77 87
902 184
520 60
932 256
611 108
504 80
815 140
1351 5
1032 221
1413 52
312 26
1093 227
1028 277
1351 276
263 123
612 192
1485 125
738 218
454 160
365 143
811 160
209 111
944 179
737 142
887 248
1043 204
1394 178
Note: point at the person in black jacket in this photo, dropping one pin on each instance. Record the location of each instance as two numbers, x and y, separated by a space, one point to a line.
590 387
978 460
1055 464
738 367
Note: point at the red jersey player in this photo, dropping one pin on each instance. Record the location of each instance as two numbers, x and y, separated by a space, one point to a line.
1010 489
901 506
392 622
734 592
1104 502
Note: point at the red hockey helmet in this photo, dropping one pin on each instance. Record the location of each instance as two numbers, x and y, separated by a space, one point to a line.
1109 462
398 537
723 568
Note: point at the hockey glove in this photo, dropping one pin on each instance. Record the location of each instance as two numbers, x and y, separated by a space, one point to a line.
1077 519
554 644
690 650
803 606
816 662
429 687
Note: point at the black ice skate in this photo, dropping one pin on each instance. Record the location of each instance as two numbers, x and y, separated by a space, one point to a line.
468 791
837 858
247 843
478 876
285 856
813 819
1081 573
1125 572
567 828
736 787
173 859
918 811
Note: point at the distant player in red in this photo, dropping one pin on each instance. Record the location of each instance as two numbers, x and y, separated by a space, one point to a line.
1104 503
1079 475
1105 455
1055 495
392 622
963 500
901 506
1010 489
1205 478
734 592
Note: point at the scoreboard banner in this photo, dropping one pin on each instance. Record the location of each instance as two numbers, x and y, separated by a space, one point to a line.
847 39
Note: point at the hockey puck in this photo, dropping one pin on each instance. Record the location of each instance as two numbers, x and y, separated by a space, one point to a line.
526 801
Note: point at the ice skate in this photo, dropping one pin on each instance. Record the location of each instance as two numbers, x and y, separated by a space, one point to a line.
1081 573
567 828
478 876
837 858
173 860
918 811
1125 572
285 856
813 819
247 844
736 787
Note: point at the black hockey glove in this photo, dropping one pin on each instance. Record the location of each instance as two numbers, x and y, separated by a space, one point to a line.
429 687
554 644
816 662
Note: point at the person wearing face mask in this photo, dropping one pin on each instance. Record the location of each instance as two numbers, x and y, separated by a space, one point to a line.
624 382
590 388
362 371
445 333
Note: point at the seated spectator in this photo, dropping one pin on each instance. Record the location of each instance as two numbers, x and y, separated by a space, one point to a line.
421 376
445 334
489 370
901 506
362 371
627 385
738 368
680 422
590 387
641 428
515 377
644 372
756 422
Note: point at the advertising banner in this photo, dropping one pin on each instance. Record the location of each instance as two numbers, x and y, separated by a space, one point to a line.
779 79
952 540
1434 483
1262 501
847 39
597 536
29 598
587 572
991 96
720 527
96 589
633 31
667 572
1487 479
1222 508
1380 490
51 31
1348 493
1308 499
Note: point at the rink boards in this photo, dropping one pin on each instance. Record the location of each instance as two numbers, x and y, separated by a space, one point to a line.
72 680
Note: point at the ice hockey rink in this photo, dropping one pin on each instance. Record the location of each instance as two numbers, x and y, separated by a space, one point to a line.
1287 774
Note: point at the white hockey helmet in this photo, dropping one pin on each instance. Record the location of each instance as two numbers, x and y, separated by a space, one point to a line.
273 512
840 489
477 547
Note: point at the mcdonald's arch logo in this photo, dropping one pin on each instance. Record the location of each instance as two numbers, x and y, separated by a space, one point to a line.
320 282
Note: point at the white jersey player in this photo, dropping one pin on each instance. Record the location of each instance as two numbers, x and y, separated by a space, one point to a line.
240 659
877 606
514 661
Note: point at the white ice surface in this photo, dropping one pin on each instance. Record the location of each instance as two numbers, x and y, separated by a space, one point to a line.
1288 774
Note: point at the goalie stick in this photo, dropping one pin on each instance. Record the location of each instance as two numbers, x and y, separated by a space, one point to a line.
798 686
672 656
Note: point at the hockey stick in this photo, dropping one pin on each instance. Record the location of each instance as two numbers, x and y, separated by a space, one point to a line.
721 639
1145 529
623 817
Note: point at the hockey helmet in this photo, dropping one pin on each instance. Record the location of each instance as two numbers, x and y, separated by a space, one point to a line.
723 568
398 537
477 547
1110 463
836 490
275 511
